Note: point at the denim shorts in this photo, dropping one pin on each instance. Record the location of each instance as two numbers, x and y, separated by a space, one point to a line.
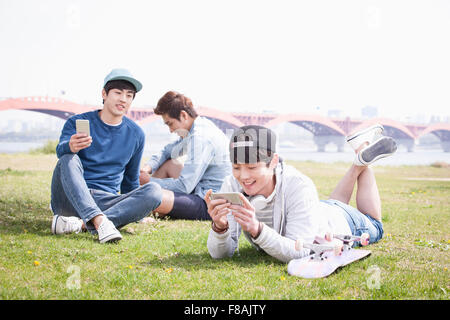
189 207
359 222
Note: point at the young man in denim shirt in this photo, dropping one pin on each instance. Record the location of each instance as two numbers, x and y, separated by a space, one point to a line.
205 149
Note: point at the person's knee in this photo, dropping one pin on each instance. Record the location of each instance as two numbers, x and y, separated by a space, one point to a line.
152 193
173 168
62 166
70 163
176 164
70 159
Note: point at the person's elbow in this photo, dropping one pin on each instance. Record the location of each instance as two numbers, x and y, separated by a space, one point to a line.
219 251
217 254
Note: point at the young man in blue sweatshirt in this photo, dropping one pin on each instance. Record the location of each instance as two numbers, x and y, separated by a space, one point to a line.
95 184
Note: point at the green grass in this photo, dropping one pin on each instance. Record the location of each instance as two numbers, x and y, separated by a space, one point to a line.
169 259
48 148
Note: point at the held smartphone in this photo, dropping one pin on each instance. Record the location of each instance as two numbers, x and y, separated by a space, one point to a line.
82 126
232 197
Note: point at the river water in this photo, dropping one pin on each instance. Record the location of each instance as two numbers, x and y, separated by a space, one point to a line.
401 157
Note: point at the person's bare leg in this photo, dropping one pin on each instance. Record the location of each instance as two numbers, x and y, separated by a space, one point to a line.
367 195
169 169
344 189
166 203
164 208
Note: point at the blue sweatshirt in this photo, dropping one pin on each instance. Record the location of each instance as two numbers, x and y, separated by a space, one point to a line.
112 162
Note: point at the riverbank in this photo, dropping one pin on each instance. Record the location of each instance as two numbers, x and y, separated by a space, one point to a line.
421 156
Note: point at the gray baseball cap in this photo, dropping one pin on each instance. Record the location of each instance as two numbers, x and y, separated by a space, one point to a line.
251 144
123 74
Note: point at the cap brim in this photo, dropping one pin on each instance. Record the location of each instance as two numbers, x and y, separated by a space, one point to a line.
133 81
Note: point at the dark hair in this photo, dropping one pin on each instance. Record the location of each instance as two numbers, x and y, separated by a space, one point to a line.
172 103
121 85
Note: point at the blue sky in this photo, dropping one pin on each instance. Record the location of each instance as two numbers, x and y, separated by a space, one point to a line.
247 55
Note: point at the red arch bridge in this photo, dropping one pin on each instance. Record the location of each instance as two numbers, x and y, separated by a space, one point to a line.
325 130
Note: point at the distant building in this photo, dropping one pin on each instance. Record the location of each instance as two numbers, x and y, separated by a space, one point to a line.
334 113
419 118
369 112
435 119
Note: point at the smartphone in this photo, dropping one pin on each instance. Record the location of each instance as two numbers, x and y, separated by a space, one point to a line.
232 197
82 126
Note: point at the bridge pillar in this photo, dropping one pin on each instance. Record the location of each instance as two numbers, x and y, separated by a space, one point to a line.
445 145
408 143
339 141
322 141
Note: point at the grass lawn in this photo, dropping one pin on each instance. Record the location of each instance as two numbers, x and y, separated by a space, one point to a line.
168 259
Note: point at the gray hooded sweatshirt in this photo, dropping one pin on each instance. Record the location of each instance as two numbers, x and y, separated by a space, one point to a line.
297 214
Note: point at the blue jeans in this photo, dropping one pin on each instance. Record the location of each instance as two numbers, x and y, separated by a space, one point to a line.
72 197
359 222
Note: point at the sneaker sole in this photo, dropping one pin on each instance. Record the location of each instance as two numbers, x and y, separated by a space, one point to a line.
111 238
360 133
382 148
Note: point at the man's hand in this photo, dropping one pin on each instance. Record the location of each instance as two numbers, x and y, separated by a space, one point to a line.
246 217
218 210
144 177
147 169
79 141
144 174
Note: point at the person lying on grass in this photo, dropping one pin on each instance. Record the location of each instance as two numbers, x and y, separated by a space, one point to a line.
92 170
281 205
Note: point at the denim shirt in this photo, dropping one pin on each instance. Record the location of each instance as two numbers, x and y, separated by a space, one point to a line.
207 162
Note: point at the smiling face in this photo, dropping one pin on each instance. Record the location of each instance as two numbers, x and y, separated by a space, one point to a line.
180 127
256 178
116 104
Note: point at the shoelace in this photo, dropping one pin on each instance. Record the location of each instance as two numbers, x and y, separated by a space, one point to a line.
104 226
101 227
72 225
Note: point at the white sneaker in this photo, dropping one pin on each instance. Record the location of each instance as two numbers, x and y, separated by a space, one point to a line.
381 148
107 232
369 135
64 225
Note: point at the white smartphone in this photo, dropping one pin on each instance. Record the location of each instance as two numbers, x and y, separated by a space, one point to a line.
82 126
232 197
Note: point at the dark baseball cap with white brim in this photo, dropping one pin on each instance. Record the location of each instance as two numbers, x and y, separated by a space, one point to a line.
252 144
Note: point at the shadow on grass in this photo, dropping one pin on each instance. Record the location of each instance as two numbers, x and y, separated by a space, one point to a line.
247 257
22 224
